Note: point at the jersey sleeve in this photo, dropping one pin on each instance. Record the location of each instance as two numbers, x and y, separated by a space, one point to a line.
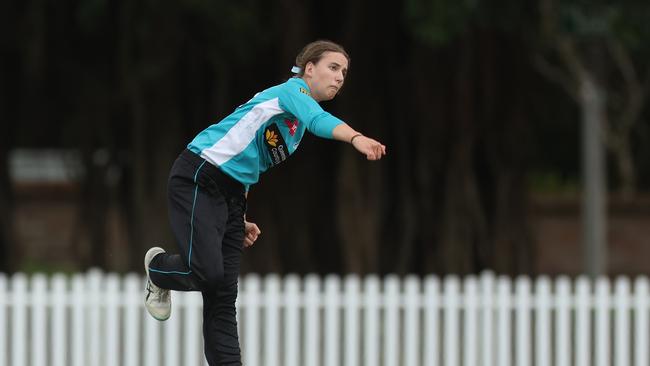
308 111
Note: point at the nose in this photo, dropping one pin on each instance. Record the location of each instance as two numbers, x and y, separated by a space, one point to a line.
340 77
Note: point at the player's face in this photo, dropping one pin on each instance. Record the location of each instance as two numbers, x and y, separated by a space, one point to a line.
326 77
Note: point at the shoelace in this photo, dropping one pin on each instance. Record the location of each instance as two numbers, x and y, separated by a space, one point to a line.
160 294
149 290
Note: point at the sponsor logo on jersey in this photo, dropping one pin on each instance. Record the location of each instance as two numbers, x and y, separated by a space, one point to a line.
271 138
275 145
292 124
305 91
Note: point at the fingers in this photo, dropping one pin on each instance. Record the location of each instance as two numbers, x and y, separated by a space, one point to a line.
375 151
372 149
250 239
252 232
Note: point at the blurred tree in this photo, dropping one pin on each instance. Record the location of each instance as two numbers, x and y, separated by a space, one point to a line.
286 203
6 206
448 86
372 33
590 40
602 42
9 67
157 45
477 132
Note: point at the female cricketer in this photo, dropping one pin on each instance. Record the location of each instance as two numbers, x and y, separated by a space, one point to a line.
209 182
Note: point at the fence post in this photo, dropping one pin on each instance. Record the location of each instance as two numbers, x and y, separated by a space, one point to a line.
542 322
451 308
391 321
371 303
95 306
151 335
470 306
431 321
58 334
412 321
602 323
583 328
4 302
622 323
563 321
332 327
291 320
113 300
133 300
38 334
19 320
641 321
78 299
351 335
251 302
312 320
504 338
271 320
523 323
487 316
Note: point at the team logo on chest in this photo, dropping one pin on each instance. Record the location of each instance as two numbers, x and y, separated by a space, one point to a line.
271 137
292 124
275 145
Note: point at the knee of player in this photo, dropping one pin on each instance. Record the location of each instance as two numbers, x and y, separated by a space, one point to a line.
212 278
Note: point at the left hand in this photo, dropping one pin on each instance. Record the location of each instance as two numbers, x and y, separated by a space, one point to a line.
372 149
252 232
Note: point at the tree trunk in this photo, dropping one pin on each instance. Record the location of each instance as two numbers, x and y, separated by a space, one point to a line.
619 136
594 206
9 83
6 210
464 224
358 214
360 185
505 135
626 170
93 213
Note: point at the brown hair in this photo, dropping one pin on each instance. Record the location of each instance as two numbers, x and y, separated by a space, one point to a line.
314 51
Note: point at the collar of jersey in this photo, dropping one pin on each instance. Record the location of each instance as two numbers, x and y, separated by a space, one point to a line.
302 82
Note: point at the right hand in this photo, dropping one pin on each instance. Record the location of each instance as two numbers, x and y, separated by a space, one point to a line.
251 233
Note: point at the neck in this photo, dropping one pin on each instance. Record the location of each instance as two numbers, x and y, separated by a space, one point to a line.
311 90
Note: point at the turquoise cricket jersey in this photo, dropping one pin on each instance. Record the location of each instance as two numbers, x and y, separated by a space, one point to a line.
264 131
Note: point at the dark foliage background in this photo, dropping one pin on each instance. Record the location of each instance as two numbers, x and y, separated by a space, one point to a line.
473 100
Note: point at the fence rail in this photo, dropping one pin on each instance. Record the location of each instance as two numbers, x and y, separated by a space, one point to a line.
98 319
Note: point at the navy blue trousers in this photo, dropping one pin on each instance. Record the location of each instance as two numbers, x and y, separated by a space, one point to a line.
206 212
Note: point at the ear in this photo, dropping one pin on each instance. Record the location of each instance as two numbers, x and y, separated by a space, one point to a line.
309 69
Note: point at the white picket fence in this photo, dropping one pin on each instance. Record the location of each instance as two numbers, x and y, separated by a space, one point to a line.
98 319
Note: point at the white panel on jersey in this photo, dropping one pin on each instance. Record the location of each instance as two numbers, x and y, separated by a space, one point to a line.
242 133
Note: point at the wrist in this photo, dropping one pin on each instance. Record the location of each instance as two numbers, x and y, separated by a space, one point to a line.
354 137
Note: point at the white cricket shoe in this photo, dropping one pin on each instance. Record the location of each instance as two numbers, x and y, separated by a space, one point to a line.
157 300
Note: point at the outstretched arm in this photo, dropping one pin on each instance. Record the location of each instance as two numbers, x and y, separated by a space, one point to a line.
372 149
